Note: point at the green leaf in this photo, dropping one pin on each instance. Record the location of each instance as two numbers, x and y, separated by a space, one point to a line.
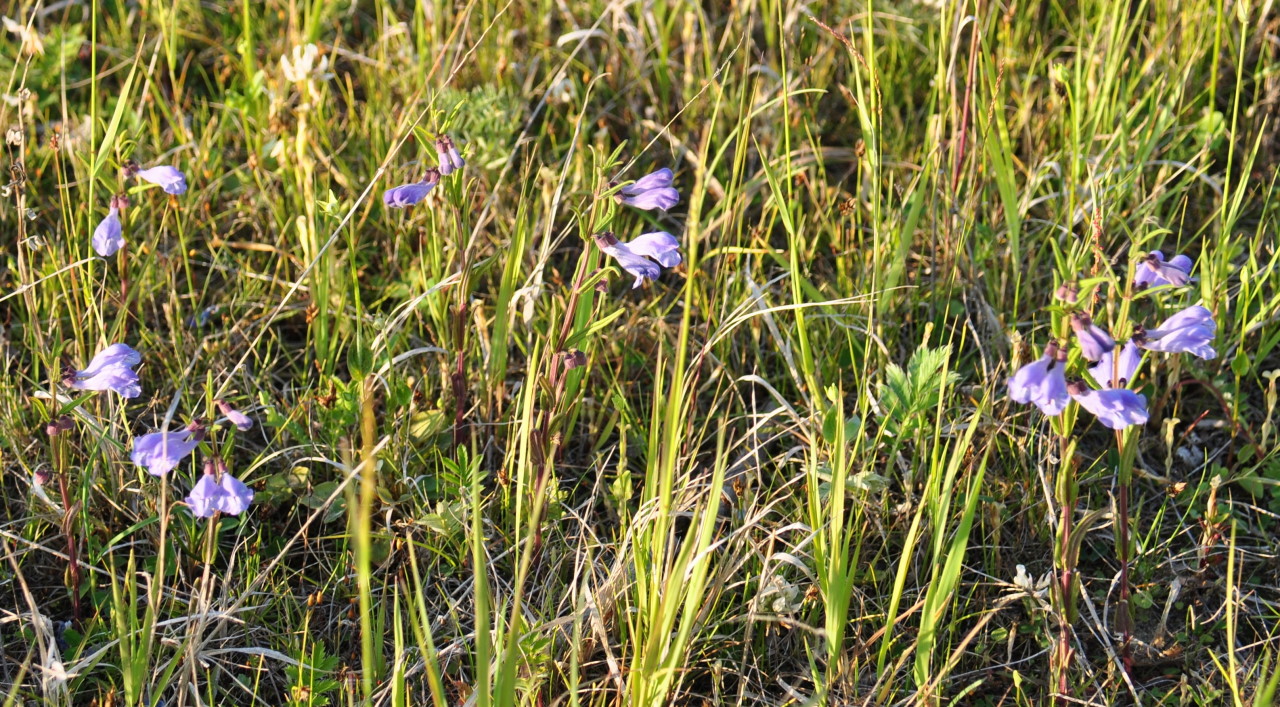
1241 364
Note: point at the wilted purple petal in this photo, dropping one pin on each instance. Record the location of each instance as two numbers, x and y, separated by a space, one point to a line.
1116 408
160 452
1130 359
168 178
1042 382
1094 342
219 492
111 369
653 199
108 237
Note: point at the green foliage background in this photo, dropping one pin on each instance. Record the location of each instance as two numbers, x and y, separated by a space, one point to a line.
788 472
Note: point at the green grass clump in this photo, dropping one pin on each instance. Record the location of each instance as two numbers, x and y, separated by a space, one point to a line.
785 472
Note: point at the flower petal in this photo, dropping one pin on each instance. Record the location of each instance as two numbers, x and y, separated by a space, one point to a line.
657 179
108 237
407 194
235 497
1130 359
167 177
661 246
1115 408
653 199
204 496
160 452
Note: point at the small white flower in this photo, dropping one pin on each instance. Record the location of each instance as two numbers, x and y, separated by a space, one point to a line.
304 65
1034 587
31 42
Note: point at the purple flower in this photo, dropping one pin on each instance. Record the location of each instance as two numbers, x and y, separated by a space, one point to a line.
1153 271
652 191
237 418
1116 408
168 178
1094 342
410 194
111 369
160 452
1189 331
1130 359
447 155
1043 382
108 237
661 246
217 490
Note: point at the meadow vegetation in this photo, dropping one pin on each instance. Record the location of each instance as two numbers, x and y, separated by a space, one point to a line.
486 470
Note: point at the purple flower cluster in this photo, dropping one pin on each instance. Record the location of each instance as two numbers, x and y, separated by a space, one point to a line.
646 255
1044 382
108 236
407 195
217 490
162 451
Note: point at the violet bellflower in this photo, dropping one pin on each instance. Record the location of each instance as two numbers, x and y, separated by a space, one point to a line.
217 490
633 256
111 369
1116 408
1189 331
108 237
1043 382
448 156
652 191
160 452
1105 370
234 416
167 177
1153 271
1094 341
409 194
